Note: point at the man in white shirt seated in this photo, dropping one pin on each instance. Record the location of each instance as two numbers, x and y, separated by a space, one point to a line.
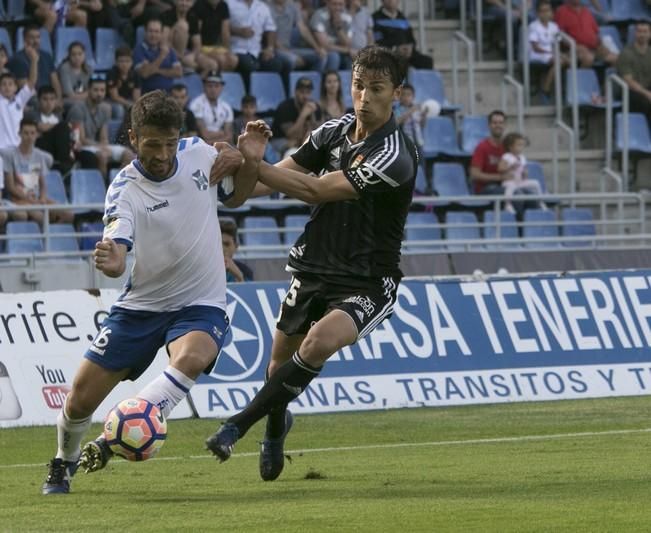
214 116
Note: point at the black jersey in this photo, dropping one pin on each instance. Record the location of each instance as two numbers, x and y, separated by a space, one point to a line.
360 237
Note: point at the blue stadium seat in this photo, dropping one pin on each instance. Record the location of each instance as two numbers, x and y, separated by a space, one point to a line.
638 136
535 172
313 75
577 222
140 35
539 223
440 138
62 243
421 180
588 87
233 90
112 173
297 224
271 156
429 84
46 42
450 180
630 34
24 244
5 39
93 231
474 129
16 10
264 237
193 84
507 229
627 10
422 227
612 32
87 187
268 89
461 225
346 83
56 190
70 34
113 130
107 40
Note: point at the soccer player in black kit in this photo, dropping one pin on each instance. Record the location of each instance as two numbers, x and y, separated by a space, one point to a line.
345 266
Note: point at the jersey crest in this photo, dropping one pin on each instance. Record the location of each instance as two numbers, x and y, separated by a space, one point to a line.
200 180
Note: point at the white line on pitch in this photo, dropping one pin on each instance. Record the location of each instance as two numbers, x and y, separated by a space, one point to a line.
495 440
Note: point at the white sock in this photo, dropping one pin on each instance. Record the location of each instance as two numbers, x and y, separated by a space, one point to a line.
167 390
69 435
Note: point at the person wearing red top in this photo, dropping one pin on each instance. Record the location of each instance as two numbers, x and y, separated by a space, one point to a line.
579 23
483 166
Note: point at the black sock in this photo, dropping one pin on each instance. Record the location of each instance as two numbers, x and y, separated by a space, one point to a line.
287 383
275 418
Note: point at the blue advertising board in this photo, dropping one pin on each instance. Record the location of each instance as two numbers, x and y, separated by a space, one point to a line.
458 341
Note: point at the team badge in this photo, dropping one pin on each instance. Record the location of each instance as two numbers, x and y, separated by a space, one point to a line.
200 180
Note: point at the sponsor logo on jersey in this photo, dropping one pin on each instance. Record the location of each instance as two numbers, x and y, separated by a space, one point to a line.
158 206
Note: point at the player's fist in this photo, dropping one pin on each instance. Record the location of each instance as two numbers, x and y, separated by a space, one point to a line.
228 162
109 257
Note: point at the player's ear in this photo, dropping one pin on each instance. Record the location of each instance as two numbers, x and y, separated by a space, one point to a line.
397 92
133 138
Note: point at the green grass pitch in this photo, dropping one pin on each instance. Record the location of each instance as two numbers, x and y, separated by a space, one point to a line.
552 466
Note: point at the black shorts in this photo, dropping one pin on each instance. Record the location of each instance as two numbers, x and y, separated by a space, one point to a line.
310 297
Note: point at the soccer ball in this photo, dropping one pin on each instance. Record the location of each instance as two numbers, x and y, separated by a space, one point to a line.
135 429
431 108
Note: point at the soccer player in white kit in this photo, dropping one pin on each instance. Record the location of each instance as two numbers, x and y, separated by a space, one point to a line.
163 207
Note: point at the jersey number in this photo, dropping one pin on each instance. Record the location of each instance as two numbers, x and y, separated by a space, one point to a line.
290 299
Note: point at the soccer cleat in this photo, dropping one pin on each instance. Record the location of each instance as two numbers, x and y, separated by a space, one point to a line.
221 443
95 455
58 478
272 456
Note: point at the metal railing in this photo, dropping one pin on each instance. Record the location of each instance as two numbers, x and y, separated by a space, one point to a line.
558 80
520 102
460 37
524 47
558 128
609 171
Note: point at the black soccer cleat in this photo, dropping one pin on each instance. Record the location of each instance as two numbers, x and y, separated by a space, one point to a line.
272 455
222 442
95 455
58 478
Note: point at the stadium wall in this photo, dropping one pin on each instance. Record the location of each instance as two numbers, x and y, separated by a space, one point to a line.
451 341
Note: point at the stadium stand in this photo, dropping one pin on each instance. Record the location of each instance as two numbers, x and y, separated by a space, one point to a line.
499 227
23 238
542 224
56 189
67 35
268 89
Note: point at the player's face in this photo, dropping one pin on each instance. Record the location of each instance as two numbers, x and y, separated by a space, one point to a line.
496 126
28 135
373 96
8 87
229 245
156 149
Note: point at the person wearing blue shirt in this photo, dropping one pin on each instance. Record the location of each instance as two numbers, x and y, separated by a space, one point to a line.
154 61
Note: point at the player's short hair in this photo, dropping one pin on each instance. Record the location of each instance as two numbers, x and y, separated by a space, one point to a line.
511 138
228 227
249 99
156 109
496 113
46 89
384 60
27 122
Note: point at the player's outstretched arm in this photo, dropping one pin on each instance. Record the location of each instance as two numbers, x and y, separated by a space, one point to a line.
110 257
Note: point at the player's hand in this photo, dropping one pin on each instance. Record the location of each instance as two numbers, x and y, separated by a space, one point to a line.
31 53
108 258
253 142
228 162
309 108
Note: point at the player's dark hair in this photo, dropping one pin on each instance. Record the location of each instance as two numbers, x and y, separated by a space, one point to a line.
228 227
27 122
380 59
510 139
7 75
156 109
496 113
249 99
45 89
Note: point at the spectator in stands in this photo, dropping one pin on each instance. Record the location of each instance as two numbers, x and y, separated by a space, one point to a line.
4 59
362 25
392 29
74 74
513 167
578 22
333 31
154 61
214 116
634 66
214 37
19 63
180 31
249 114
236 271
13 102
331 96
485 177
542 33
4 215
54 132
51 14
295 117
409 115
25 169
253 40
123 83
91 119
180 93
294 40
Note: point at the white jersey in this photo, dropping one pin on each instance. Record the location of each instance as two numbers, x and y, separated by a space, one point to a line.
173 228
